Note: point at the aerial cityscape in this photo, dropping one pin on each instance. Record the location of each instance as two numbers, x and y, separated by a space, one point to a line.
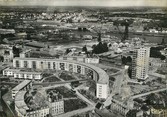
83 59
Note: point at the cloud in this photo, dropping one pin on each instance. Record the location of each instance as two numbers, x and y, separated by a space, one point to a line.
111 3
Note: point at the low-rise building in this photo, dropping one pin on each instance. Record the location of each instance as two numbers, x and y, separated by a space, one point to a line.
158 112
23 73
25 53
84 59
56 103
7 53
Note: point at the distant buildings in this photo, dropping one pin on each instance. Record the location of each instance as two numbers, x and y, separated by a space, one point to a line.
7 53
140 63
94 60
28 53
7 31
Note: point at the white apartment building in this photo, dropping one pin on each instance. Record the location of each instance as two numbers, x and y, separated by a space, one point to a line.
94 60
56 104
102 90
22 74
91 71
140 63
57 107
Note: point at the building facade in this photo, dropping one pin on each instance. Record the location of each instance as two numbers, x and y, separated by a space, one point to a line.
22 74
140 63
158 112
94 60
91 71
102 90
28 75
56 104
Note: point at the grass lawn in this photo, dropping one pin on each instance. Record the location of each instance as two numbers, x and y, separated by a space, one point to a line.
46 75
66 76
162 71
63 91
51 79
73 104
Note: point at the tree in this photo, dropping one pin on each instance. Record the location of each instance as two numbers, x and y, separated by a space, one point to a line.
151 99
162 57
1 58
84 49
99 37
100 48
155 52
16 51
105 47
131 113
68 50
123 60
130 71
129 59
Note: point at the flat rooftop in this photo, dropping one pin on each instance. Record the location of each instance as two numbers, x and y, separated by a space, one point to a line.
103 76
20 103
26 71
21 85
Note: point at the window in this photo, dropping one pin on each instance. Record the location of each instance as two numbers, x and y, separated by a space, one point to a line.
34 64
78 69
22 75
62 66
75 58
54 66
48 65
25 64
33 76
17 64
41 65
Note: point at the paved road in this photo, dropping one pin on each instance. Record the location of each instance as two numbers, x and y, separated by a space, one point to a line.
79 111
76 112
147 93
116 88
157 75
47 83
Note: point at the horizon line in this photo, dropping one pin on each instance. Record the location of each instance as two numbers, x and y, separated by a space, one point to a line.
82 6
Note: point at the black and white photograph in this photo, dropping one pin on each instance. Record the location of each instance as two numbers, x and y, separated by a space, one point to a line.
83 58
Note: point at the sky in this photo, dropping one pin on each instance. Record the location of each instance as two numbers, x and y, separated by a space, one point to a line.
108 3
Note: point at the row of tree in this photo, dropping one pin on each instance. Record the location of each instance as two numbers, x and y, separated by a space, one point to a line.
100 48
155 53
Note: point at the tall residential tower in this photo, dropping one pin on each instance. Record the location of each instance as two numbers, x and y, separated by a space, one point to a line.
140 63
